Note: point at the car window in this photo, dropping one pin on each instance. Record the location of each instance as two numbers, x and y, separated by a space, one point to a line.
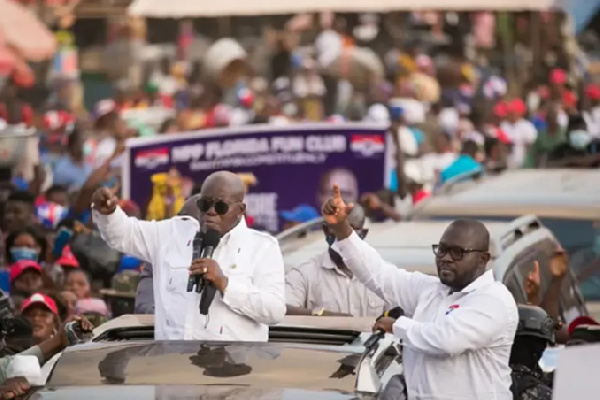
571 300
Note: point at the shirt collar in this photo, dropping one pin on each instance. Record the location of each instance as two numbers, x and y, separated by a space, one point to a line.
237 232
483 280
327 263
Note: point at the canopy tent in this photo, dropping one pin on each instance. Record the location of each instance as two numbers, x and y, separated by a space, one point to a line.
205 8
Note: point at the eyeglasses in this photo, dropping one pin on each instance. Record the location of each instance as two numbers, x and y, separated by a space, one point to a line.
220 206
457 253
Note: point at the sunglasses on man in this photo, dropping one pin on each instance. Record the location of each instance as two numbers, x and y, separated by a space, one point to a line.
457 253
221 207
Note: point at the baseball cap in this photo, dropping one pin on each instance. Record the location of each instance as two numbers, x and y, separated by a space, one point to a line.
67 258
558 76
124 284
302 213
19 267
91 306
593 92
40 298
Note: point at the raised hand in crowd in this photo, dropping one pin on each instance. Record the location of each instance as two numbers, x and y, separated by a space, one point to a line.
104 200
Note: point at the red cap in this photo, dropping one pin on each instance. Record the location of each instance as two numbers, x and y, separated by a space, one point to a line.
19 267
67 258
593 92
581 320
517 106
569 99
40 298
500 109
558 76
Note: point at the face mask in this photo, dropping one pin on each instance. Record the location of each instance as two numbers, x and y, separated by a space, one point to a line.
579 139
24 253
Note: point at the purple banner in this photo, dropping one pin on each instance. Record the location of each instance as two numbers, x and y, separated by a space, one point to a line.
293 165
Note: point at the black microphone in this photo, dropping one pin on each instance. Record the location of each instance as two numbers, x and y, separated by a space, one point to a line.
394 313
210 242
196 251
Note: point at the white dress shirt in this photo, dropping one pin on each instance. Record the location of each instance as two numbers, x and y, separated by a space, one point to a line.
251 260
456 345
522 134
319 283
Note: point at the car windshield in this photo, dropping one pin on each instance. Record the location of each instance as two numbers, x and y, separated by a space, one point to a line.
195 363
581 238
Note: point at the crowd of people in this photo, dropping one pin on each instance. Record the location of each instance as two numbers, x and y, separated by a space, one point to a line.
447 120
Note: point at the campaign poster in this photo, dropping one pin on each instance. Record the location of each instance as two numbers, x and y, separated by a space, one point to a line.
292 165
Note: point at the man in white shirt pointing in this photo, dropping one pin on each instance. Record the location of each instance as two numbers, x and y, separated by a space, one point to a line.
458 329
247 267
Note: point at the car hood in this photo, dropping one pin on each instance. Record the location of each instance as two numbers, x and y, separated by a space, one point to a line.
184 392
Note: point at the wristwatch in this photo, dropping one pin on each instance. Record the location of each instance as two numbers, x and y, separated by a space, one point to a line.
318 311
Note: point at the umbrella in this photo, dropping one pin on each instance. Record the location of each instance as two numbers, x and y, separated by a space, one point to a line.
359 65
25 33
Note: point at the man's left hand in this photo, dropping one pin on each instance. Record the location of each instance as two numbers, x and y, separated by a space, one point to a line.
14 387
210 270
385 324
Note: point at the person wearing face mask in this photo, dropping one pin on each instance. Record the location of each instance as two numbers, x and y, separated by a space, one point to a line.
581 150
325 286
25 244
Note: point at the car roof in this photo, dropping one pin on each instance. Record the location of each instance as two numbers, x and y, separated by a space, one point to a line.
185 362
406 244
546 193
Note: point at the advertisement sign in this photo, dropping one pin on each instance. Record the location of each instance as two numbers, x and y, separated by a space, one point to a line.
292 165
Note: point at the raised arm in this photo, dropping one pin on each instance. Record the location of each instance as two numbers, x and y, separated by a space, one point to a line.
130 235
396 286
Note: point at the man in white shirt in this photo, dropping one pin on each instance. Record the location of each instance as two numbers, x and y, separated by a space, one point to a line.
247 268
324 285
459 328
521 132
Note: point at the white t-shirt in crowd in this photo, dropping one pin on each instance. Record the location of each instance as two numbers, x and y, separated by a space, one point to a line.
414 110
329 46
448 119
522 134
592 119
434 163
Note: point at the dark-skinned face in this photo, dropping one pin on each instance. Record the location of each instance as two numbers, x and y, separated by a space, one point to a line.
460 259
215 194
17 215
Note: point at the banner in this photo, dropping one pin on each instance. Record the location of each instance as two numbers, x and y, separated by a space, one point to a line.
292 165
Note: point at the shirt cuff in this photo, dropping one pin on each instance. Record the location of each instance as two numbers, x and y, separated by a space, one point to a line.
117 215
348 246
401 326
235 293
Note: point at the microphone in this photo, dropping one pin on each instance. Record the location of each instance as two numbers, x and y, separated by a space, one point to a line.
394 313
196 251
210 242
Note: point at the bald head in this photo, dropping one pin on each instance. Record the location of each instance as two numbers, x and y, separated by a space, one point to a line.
228 180
462 253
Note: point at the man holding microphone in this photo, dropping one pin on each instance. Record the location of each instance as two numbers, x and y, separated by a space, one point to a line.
246 269
458 329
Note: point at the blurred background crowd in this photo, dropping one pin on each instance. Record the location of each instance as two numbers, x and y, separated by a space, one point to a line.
462 92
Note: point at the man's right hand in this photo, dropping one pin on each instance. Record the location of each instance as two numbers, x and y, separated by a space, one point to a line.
335 213
104 201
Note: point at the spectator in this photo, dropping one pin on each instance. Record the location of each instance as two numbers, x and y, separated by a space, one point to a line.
19 211
58 194
78 282
581 150
42 312
25 244
25 278
520 131
552 137
496 152
72 170
325 286
465 164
